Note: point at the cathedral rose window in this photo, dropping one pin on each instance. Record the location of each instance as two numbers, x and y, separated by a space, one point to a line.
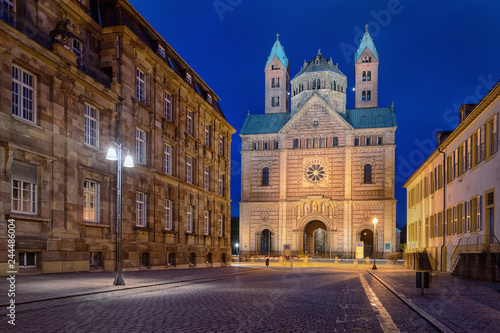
315 171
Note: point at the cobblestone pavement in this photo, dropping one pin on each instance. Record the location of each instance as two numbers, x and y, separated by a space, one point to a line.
236 299
462 305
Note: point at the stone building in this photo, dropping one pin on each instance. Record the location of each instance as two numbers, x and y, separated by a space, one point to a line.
451 197
77 76
314 176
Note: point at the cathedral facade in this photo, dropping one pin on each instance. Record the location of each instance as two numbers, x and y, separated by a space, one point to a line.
314 173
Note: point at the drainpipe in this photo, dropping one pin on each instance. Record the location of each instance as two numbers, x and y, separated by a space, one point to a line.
444 207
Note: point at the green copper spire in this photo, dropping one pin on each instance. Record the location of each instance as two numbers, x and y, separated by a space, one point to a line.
366 42
278 51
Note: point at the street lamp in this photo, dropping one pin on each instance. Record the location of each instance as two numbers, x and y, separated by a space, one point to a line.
112 155
237 248
374 243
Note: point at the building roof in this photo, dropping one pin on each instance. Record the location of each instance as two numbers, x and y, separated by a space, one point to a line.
279 51
264 123
319 64
366 42
358 118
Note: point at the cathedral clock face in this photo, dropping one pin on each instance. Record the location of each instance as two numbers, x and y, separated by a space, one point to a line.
315 171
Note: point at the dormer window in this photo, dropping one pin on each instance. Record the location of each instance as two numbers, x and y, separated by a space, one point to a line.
161 51
209 99
317 61
188 78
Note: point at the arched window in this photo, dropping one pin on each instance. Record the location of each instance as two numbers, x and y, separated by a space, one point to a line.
255 146
364 76
314 84
369 76
370 59
379 140
367 141
335 141
356 142
318 83
341 89
265 176
335 85
295 143
367 174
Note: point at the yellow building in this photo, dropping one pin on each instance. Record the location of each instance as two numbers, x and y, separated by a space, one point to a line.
75 77
451 197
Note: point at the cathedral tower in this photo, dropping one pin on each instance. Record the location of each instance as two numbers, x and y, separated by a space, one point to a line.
366 73
277 80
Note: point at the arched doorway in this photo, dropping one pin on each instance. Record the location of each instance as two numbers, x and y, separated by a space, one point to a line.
265 242
315 239
367 238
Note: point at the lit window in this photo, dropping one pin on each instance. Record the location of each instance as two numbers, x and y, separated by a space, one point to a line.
140 146
168 214
91 126
189 169
24 187
206 178
91 198
161 51
23 94
140 207
221 184
168 106
207 135
206 223
190 123
167 163
189 220
141 86
221 225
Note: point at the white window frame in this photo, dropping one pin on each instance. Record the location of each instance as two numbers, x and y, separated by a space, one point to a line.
91 198
221 184
167 159
24 92
209 98
141 209
91 136
206 223
189 169
24 256
190 123
168 214
189 78
221 225
19 185
206 177
140 86
207 135
168 106
161 51
189 220
77 48
140 146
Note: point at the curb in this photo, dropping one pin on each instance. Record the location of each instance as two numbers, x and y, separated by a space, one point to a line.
421 312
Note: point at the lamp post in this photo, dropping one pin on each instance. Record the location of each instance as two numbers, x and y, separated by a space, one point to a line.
237 249
374 243
113 155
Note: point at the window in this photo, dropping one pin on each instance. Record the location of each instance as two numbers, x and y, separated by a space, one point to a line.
91 126
192 259
476 205
206 178
144 259
335 141
91 199
277 101
277 82
95 259
273 84
255 146
140 146
367 141
76 47
27 259
265 176
24 188
221 184
318 84
209 99
266 145
23 94
207 135
188 78
369 76
276 145
364 76
161 51
190 123
167 159
482 130
168 107
492 136
189 169
363 96
367 174
168 214
356 142
379 142
295 143
171 259
141 86
206 223
221 145
140 208
221 225
368 95
189 220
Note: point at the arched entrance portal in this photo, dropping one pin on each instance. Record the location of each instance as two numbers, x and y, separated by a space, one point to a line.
367 238
265 242
315 239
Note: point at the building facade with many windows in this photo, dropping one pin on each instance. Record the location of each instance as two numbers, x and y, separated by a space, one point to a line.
315 174
451 198
77 76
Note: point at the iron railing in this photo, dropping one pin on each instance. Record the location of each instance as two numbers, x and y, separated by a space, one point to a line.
94 72
23 25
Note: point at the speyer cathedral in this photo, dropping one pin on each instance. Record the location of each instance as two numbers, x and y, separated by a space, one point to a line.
315 174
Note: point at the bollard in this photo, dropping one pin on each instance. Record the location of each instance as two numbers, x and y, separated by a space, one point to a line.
336 260
356 263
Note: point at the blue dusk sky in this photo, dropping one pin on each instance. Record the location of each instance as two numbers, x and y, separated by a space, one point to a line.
434 56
